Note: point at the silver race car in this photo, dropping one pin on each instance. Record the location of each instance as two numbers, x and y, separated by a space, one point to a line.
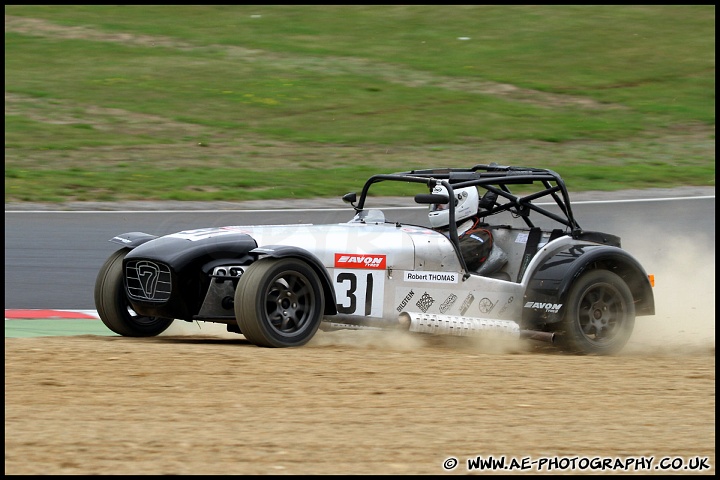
479 265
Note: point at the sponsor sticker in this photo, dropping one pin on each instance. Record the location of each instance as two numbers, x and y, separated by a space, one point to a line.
448 303
507 304
486 305
466 303
548 307
425 302
433 277
354 260
405 301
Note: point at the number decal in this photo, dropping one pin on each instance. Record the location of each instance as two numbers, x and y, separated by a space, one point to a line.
359 292
349 293
368 294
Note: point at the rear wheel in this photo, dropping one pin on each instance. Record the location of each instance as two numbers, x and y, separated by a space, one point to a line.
113 306
279 302
599 316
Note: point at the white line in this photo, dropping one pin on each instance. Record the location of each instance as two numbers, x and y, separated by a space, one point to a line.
221 210
289 210
663 199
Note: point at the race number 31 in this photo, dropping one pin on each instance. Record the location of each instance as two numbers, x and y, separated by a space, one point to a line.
359 292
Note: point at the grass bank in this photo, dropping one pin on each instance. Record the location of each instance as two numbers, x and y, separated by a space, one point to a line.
236 103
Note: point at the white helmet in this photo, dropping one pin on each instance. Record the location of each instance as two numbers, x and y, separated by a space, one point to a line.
466 205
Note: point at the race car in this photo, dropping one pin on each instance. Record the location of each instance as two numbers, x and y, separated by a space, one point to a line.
480 265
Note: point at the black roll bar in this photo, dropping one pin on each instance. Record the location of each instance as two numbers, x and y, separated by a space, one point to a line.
492 177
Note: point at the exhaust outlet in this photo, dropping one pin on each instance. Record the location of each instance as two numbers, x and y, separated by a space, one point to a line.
536 335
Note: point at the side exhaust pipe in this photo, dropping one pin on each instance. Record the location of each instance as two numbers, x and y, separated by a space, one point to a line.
466 326
536 335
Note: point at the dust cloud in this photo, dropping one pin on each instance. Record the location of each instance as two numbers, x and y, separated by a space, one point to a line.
684 270
389 340
399 340
382 340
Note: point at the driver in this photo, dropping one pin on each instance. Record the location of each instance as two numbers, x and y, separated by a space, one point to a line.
475 243
466 210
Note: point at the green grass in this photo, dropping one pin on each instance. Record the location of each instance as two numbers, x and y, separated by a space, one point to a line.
250 102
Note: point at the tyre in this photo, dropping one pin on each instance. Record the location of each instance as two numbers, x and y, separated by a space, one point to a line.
113 306
599 315
279 302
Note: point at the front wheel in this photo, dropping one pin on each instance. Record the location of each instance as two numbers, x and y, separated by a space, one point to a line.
599 316
113 306
279 302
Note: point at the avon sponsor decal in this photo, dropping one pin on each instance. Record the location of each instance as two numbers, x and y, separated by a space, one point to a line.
352 260
548 307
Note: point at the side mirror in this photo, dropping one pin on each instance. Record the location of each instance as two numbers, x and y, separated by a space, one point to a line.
350 198
431 198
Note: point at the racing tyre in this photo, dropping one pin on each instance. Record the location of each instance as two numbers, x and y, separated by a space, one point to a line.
599 316
113 306
279 302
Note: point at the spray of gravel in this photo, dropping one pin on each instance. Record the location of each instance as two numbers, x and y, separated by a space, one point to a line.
199 329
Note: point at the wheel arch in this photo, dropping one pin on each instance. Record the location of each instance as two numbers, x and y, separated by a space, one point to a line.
550 283
287 251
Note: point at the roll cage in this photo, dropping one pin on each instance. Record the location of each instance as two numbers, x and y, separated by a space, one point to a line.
496 180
